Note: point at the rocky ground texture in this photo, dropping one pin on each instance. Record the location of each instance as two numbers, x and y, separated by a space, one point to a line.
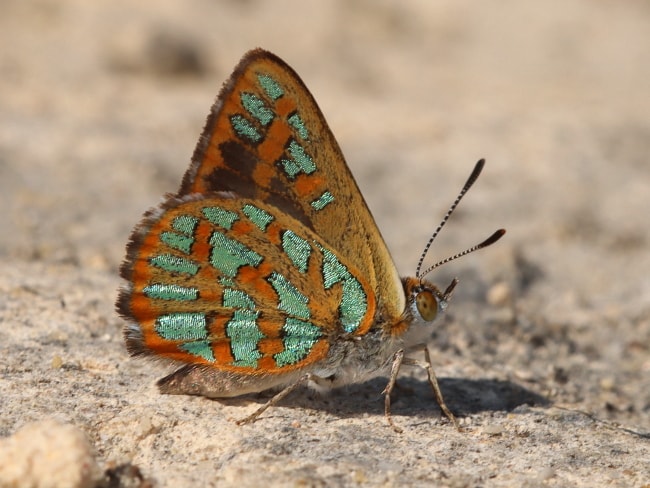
545 352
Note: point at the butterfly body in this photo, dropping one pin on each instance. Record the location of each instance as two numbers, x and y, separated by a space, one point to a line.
266 269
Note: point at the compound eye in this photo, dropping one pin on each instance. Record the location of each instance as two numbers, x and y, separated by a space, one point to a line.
427 305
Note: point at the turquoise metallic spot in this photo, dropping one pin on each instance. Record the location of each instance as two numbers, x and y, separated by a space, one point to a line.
301 157
245 129
183 326
175 264
244 334
297 248
237 299
333 271
162 291
291 300
185 224
297 123
177 241
321 202
201 349
226 282
299 338
228 255
259 217
354 302
219 216
255 106
270 86
300 162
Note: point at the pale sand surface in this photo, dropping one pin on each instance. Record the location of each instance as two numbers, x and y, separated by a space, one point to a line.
545 352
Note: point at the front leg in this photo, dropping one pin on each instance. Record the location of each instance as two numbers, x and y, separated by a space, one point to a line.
398 357
398 360
433 381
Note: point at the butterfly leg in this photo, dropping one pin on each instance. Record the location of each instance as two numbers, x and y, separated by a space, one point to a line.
397 363
433 381
275 399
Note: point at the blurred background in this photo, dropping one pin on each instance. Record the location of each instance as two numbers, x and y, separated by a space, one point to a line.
101 104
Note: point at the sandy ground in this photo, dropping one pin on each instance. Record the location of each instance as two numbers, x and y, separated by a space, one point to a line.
545 351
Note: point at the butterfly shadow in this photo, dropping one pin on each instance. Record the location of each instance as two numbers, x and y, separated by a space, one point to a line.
411 397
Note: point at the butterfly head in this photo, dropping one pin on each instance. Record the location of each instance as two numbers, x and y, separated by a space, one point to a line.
426 301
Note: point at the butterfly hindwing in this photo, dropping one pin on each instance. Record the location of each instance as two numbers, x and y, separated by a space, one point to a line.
267 140
237 284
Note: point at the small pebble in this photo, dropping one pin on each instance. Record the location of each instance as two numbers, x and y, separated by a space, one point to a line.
48 454
499 294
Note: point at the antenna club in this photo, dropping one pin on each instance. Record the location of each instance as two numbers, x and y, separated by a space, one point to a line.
492 239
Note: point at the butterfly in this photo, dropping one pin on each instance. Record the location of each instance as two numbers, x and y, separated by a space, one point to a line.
266 269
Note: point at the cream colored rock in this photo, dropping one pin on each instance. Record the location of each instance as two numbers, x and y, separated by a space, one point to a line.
47 454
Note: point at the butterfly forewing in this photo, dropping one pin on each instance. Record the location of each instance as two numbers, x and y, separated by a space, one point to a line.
239 285
267 140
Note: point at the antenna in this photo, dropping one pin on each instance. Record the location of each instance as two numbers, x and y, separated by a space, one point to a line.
489 241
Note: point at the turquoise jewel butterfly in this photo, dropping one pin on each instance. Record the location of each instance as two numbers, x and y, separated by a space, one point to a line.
266 269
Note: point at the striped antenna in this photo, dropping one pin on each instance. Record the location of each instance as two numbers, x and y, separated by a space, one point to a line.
489 241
